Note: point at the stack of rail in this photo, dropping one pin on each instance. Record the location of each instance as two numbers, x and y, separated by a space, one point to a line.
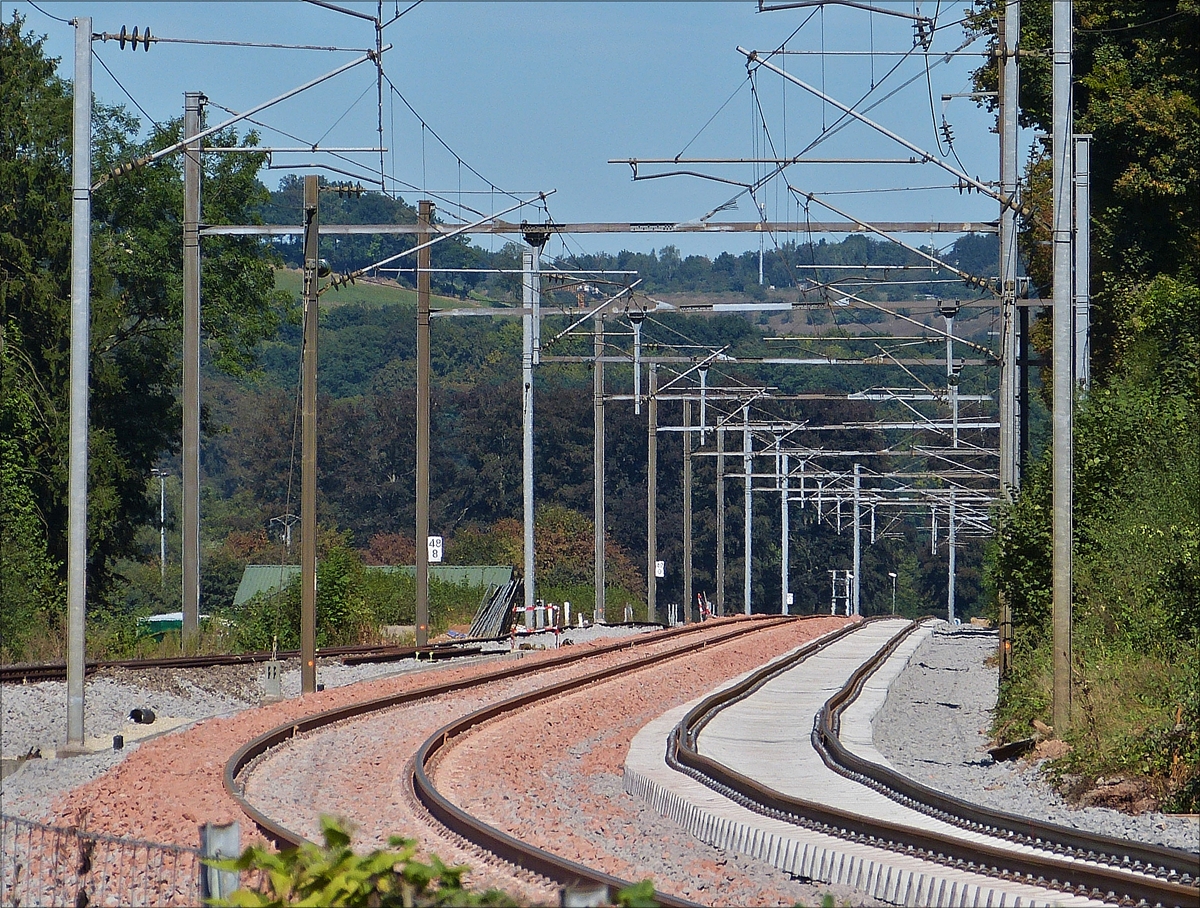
495 614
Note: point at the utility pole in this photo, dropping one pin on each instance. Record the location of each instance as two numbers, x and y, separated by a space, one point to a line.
748 504
308 447
162 525
1008 39
856 592
1083 263
784 531
688 601
598 460
1064 383
652 495
720 591
950 540
949 310
424 219
191 371
531 291
81 305
1011 323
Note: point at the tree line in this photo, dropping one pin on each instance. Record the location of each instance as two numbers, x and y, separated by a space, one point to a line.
1135 676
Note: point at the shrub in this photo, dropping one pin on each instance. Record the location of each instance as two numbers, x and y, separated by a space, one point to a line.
333 875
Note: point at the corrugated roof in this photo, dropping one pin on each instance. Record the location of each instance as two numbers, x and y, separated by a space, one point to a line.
267 578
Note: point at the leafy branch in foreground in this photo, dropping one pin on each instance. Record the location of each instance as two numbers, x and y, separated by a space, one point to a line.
333 875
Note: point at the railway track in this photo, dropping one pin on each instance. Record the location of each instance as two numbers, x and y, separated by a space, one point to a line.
57 671
460 823
956 842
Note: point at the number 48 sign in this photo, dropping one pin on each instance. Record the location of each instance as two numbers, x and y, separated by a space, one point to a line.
435 549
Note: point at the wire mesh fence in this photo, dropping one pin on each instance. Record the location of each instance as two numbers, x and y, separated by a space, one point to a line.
55 865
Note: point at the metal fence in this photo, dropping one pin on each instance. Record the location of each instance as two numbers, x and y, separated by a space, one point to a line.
54 865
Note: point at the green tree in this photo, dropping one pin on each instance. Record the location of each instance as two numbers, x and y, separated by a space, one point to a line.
1137 462
136 300
1137 92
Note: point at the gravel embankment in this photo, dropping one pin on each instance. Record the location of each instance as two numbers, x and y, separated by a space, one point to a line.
169 785
934 728
33 717
550 775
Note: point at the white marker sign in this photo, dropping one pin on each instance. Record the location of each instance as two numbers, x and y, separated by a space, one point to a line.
435 549
660 569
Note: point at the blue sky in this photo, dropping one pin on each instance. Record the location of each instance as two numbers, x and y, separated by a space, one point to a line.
539 95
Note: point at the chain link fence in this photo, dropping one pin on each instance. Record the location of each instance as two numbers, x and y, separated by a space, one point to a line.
55 865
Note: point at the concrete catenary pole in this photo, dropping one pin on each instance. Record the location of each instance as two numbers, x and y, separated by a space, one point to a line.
191 371
748 508
1010 319
162 526
424 219
1083 263
652 494
720 502
857 587
308 446
688 601
81 306
531 292
1064 384
785 527
950 540
1010 31
598 459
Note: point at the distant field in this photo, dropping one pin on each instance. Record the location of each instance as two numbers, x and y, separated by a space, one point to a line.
372 294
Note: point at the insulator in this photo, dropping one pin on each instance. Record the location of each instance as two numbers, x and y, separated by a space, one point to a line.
134 38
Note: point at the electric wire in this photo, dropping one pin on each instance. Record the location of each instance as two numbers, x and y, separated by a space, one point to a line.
112 76
392 178
707 123
48 15
1125 28
398 14
742 85
445 144
343 116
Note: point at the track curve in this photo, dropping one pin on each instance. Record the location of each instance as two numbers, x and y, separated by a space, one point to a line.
1017 850
669 645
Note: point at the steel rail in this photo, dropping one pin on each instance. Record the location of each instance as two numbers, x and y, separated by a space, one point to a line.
1052 871
559 870
253 749
1172 864
511 849
56 671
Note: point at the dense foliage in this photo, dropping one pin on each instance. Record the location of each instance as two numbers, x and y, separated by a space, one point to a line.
1136 675
136 301
366 437
334 875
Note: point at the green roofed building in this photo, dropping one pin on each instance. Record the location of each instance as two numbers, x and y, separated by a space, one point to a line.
268 578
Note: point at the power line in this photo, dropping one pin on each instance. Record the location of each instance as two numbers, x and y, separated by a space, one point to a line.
100 60
48 15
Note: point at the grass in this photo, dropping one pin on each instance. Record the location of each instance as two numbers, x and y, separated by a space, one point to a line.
1133 716
371 293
